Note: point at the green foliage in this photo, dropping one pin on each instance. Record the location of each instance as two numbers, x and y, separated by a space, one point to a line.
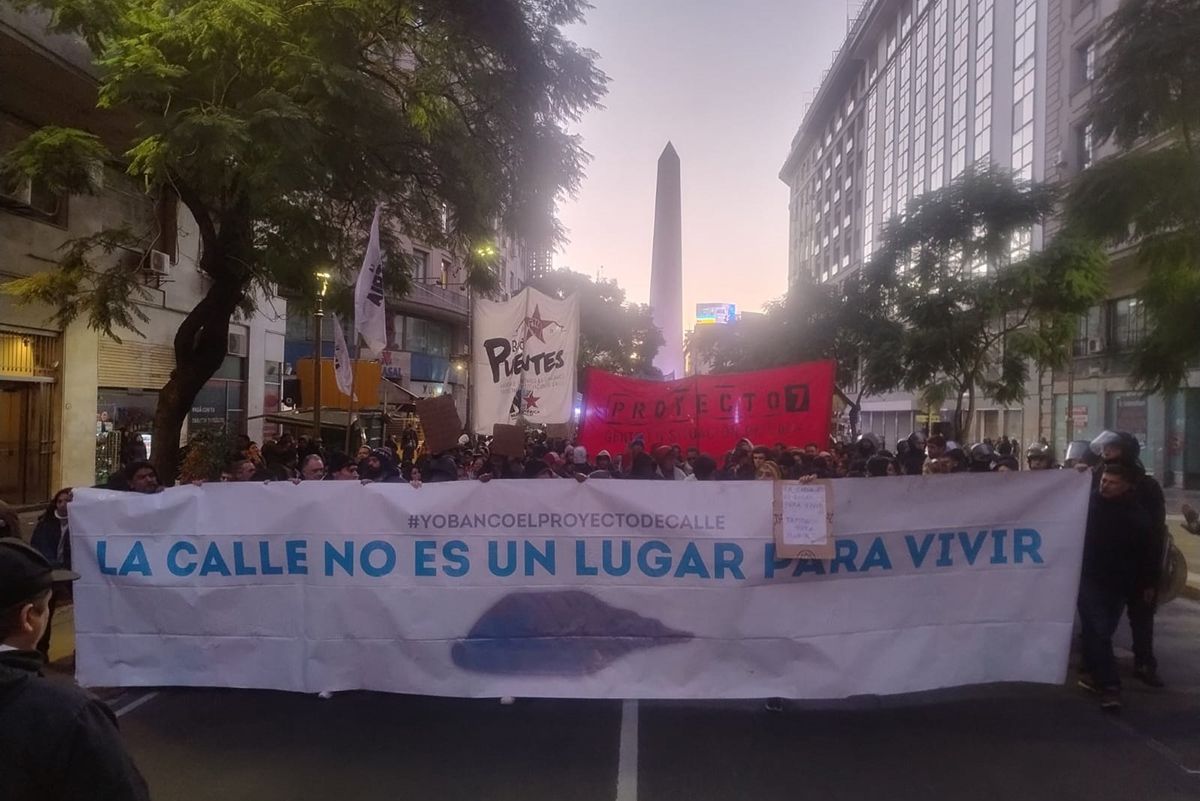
280 124
62 159
961 319
1148 81
812 322
1147 100
106 298
208 453
614 335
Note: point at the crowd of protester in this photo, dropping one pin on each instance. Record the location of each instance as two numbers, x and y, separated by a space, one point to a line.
403 459
1125 550
1124 555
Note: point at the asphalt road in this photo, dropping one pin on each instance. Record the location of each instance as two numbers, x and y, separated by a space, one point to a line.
1002 742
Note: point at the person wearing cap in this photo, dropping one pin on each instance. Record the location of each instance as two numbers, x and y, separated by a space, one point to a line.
604 460
57 741
341 467
579 461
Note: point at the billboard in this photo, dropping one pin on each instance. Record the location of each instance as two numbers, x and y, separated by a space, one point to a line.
715 313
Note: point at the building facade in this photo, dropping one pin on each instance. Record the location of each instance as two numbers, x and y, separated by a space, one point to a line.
70 397
428 329
919 91
1094 391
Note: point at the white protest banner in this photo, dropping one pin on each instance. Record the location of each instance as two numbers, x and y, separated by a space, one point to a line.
605 589
523 367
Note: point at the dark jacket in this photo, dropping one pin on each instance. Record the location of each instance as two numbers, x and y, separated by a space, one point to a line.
1118 549
58 741
46 538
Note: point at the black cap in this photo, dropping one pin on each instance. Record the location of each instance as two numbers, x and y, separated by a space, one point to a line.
24 572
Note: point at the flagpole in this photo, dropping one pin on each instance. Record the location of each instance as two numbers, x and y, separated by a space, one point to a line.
353 378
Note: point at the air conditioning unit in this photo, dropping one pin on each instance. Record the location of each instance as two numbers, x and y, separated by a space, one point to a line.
1095 346
158 262
237 343
21 194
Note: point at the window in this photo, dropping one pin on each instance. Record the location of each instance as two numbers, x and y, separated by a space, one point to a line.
31 198
1089 334
960 38
272 393
427 336
1083 145
1024 81
1128 323
419 265
28 198
984 25
1084 68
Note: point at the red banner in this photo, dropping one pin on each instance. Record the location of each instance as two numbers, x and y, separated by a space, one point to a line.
791 405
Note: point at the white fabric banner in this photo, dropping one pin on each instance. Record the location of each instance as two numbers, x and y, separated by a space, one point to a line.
524 356
369 317
605 589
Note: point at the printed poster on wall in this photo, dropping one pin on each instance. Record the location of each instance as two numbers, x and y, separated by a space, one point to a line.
523 367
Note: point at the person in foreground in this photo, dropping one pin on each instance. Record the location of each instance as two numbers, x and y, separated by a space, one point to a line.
57 741
1118 559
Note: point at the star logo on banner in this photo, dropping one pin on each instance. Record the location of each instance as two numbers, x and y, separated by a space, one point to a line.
531 401
535 326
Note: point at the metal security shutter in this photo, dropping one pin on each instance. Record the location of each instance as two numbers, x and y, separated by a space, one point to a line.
134 365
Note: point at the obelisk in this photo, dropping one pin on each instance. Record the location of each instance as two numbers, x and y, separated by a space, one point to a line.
666 265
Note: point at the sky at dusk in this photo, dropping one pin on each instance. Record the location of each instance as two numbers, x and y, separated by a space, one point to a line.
726 83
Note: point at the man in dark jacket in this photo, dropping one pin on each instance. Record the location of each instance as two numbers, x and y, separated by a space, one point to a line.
1117 559
57 742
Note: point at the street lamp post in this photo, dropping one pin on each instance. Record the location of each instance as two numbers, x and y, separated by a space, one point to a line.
319 317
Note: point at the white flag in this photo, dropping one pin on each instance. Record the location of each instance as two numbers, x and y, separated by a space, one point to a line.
343 368
523 367
368 294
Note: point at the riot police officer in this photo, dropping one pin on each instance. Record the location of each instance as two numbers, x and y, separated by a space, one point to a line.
1040 457
1121 447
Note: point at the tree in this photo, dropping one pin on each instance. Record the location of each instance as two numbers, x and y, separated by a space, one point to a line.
1146 100
811 323
614 335
962 318
280 124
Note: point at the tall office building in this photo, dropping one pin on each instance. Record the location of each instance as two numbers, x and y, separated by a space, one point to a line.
920 90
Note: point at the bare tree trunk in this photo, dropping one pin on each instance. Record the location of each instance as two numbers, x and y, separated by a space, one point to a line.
200 347
970 415
958 417
202 340
855 409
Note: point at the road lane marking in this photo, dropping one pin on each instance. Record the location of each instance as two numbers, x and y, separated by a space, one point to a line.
627 758
134 704
1162 749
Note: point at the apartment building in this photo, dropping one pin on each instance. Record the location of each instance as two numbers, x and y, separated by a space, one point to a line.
70 396
1094 391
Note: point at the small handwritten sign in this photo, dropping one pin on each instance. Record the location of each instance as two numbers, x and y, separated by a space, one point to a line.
804 520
